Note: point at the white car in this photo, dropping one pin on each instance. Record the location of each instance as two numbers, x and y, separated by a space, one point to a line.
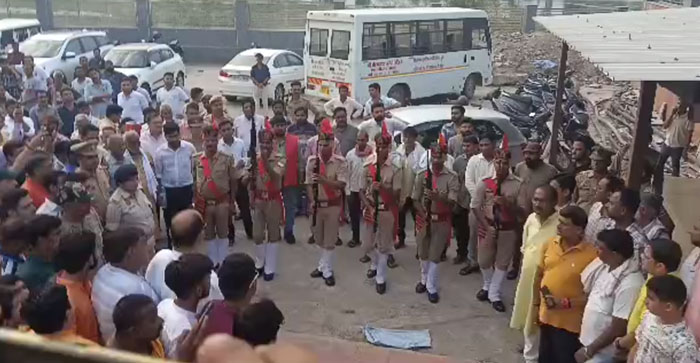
428 120
285 67
60 51
149 62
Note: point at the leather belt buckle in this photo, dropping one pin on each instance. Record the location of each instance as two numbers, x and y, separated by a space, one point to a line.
263 194
323 204
434 217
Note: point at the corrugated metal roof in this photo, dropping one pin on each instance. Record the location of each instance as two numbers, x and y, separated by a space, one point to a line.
652 45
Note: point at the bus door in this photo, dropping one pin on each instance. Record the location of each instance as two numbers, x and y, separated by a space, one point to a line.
329 49
478 41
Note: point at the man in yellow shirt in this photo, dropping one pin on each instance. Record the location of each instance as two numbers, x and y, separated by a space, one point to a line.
539 228
661 257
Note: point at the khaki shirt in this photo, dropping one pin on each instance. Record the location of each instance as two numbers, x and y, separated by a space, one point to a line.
586 185
277 163
445 182
301 102
484 198
223 173
336 169
460 168
127 210
98 185
91 223
531 179
390 175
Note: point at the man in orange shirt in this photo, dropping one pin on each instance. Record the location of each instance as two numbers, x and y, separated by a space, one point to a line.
561 298
38 169
76 262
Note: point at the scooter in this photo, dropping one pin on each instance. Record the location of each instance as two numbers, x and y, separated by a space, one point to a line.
173 44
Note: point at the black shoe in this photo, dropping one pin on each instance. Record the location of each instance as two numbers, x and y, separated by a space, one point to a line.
311 240
316 274
353 244
371 273
391 262
339 242
459 259
365 259
400 245
433 298
498 306
290 239
268 277
261 271
330 281
464 271
443 256
482 295
512 274
381 288
420 288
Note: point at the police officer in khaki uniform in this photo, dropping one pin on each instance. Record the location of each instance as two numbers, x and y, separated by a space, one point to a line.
326 177
495 207
215 176
437 187
587 180
380 197
265 182
98 182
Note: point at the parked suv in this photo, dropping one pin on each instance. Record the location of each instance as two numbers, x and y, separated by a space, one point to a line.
60 51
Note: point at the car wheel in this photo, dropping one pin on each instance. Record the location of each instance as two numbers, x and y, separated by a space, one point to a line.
470 85
279 92
180 80
401 93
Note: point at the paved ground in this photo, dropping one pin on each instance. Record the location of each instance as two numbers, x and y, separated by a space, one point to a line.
461 327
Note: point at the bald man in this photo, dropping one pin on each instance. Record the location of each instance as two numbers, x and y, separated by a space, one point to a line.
187 236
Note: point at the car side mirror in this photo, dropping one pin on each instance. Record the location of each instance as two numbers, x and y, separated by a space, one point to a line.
153 64
69 55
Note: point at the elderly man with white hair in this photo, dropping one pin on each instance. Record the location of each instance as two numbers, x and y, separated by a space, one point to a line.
81 120
134 154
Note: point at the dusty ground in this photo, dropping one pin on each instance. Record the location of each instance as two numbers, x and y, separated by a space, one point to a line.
460 326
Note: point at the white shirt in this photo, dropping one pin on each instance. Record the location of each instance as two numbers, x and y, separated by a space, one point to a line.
688 268
80 86
175 321
678 134
388 102
352 107
111 284
49 208
39 80
13 131
603 306
176 98
174 167
664 343
356 169
373 128
236 150
478 168
241 128
133 105
155 275
150 144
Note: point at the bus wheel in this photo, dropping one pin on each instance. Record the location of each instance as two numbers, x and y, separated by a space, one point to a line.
470 85
401 93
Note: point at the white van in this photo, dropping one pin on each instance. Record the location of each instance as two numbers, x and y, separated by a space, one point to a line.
17 30
410 52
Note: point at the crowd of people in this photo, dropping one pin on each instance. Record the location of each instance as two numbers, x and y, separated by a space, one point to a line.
85 183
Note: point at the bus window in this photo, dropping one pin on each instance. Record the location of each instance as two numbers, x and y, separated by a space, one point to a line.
454 35
402 36
478 34
375 41
429 38
6 38
340 44
319 42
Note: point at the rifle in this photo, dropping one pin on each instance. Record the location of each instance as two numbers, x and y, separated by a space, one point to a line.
253 181
428 201
378 179
317 171
497 210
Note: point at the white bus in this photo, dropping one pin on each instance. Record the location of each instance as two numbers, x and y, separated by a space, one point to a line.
17 30
410 52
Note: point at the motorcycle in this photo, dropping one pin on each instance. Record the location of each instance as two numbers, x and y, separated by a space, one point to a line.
173 44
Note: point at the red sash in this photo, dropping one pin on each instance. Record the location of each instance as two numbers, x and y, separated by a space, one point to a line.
272 192
200 202
387 198
331 193
291 173
506 217
442 214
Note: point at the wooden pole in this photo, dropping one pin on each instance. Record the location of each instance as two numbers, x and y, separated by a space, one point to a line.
558 112
642 134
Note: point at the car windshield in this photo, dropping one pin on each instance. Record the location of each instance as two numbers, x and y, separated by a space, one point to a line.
247 60
125 58
41 48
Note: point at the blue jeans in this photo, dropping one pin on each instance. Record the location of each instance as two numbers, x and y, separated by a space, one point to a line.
291 197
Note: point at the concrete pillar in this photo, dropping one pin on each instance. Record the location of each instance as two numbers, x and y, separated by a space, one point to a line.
143 19
44 13
242 15
528 21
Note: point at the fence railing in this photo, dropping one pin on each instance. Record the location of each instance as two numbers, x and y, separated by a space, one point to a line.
282 14
94 13
197 14
17 9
